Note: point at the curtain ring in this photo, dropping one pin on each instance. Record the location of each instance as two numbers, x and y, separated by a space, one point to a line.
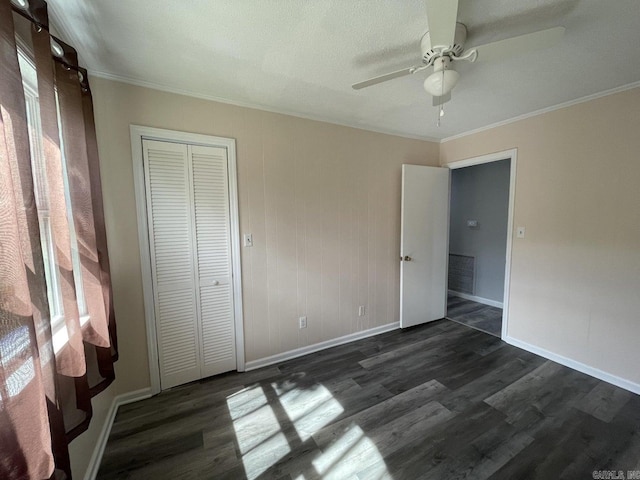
23 4
37 27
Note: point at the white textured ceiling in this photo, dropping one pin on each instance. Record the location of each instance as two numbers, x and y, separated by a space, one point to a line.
301 56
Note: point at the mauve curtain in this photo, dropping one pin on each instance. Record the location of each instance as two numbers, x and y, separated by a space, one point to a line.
105 356
27 378
45 396
67 358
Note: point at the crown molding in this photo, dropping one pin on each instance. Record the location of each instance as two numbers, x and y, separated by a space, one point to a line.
588 98
318 118
255 106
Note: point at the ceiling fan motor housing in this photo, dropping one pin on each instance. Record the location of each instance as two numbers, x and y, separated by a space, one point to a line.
429 54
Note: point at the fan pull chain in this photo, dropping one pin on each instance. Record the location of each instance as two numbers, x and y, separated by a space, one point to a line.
440 114
441 109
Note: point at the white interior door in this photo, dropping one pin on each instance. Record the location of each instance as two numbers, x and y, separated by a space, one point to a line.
423 244
187 191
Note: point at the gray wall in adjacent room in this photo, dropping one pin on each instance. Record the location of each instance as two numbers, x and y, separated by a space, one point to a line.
481 193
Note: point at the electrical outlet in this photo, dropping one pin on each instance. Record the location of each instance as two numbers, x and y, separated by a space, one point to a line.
303 322
361 311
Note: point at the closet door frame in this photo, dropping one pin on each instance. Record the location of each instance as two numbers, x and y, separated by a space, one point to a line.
138 134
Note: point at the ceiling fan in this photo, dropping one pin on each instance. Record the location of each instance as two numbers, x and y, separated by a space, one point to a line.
444 44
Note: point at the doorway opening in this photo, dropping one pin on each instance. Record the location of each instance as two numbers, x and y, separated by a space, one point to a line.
480 227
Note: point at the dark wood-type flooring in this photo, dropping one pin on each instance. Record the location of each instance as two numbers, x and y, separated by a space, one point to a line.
438 401
475 315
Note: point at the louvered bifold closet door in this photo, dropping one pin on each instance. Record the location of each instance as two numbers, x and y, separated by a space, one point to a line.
170 222
213 248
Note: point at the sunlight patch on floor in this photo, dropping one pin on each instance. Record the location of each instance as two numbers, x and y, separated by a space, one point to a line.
258 432
265 435
351 454
309 409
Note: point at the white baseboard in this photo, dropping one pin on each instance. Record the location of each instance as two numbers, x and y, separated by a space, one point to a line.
473 298
316 347
101 443
579 366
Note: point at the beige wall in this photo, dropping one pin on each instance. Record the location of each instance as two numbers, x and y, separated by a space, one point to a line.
575 278
322 202
83 446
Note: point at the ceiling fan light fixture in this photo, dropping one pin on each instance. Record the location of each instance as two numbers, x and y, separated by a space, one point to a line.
442 82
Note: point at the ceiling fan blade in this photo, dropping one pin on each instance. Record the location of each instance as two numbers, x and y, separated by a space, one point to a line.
384 78
437 101
441 18
516 45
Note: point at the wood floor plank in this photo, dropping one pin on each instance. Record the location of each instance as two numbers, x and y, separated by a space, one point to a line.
482 457
548 456
442 443
151 451
549 389
604 401
476 315
410 350
382 413
490 383
410 428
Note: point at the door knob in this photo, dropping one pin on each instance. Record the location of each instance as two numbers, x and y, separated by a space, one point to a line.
407 258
